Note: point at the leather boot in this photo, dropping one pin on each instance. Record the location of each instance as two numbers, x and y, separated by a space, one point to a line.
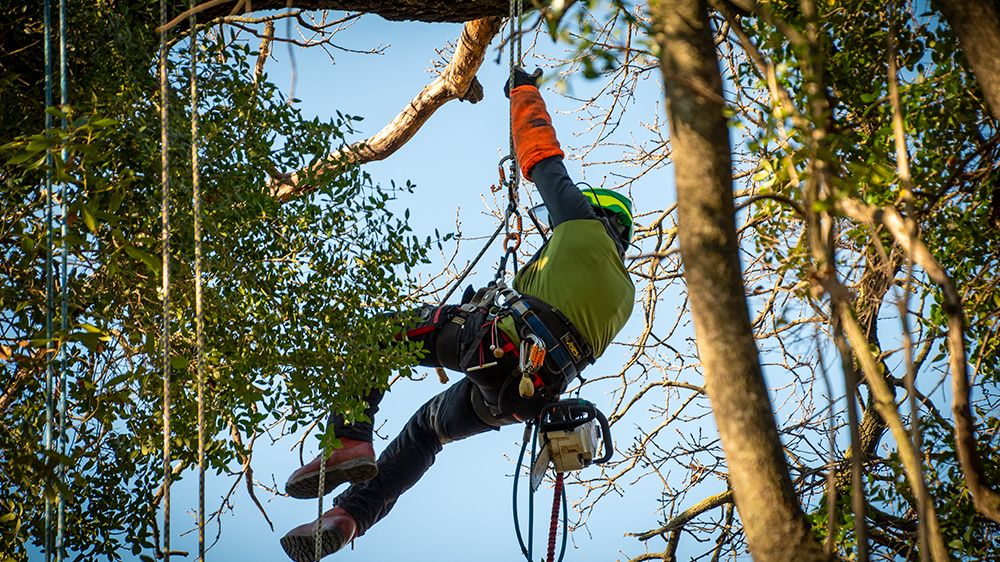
354 462
336 529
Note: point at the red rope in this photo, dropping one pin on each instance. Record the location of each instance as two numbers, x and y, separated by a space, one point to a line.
556 495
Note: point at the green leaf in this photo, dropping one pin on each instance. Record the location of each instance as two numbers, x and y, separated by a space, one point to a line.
179 362
103 123
151 261
89 220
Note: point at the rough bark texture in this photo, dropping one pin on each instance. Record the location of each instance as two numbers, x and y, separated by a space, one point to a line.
977 24
454 82
399 10
775 526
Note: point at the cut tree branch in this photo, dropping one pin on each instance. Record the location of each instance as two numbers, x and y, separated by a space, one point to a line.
455 11
456 81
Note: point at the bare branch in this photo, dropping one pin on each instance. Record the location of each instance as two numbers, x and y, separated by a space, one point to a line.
986 500
454 82
688 514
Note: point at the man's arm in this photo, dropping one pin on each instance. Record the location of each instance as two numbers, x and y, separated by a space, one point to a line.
539 154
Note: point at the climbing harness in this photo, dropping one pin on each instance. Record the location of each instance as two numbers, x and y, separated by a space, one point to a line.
570 431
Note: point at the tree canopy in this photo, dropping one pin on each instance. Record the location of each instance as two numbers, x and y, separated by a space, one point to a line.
838 209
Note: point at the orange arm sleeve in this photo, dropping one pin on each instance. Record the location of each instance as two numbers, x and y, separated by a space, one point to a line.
534 137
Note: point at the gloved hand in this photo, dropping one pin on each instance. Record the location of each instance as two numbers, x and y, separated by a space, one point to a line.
534 137
522 78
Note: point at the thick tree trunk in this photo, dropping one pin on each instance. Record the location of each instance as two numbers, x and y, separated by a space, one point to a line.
775 525
399 10
977 24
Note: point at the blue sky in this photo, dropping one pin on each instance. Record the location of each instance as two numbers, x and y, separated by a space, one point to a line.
461 509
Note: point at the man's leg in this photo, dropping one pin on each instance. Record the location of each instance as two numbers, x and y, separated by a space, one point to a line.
354 461
447 417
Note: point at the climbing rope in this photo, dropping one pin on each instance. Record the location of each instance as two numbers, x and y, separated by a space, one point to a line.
63 285
49 273
54 545
165 277
318 531
530 435
512 224
512 239
559 498
554 522
198 311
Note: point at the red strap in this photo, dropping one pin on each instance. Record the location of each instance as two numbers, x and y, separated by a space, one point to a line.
416 332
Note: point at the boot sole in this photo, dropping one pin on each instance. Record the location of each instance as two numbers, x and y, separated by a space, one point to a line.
302 548
354 471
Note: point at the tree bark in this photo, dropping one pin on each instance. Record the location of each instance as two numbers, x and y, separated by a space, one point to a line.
775 526
455 11
977 24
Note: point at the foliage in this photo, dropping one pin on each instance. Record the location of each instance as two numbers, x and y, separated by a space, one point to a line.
294 294
952 144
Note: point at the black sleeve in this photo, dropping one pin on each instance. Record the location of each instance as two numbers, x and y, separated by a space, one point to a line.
562 198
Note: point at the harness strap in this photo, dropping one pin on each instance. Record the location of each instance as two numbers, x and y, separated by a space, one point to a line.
564 346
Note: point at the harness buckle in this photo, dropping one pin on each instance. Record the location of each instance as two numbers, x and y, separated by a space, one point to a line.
531 360
532 354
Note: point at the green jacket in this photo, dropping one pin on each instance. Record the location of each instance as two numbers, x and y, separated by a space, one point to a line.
580 273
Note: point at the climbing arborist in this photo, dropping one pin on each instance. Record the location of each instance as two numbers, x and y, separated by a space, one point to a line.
570 299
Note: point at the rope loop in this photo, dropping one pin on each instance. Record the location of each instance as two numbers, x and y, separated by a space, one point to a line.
513 240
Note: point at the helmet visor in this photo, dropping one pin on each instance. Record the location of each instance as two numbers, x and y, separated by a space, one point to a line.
540 218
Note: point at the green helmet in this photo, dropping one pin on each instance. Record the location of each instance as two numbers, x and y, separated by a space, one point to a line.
610 204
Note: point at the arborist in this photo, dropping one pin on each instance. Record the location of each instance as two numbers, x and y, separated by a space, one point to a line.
570 300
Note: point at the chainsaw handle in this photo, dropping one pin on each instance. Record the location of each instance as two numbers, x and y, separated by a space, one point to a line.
609 447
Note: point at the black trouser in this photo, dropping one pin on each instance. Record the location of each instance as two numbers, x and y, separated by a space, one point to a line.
487 396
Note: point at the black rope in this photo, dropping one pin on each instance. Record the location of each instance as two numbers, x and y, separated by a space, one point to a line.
528 426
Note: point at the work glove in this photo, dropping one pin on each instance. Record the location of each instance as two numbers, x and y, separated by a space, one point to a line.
534 138
522 78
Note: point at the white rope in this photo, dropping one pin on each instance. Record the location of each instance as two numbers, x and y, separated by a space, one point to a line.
165 277
199 314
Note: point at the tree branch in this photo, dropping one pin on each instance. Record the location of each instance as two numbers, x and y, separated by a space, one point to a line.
688 514
455 11
758 473
454 82
986 500
977 24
